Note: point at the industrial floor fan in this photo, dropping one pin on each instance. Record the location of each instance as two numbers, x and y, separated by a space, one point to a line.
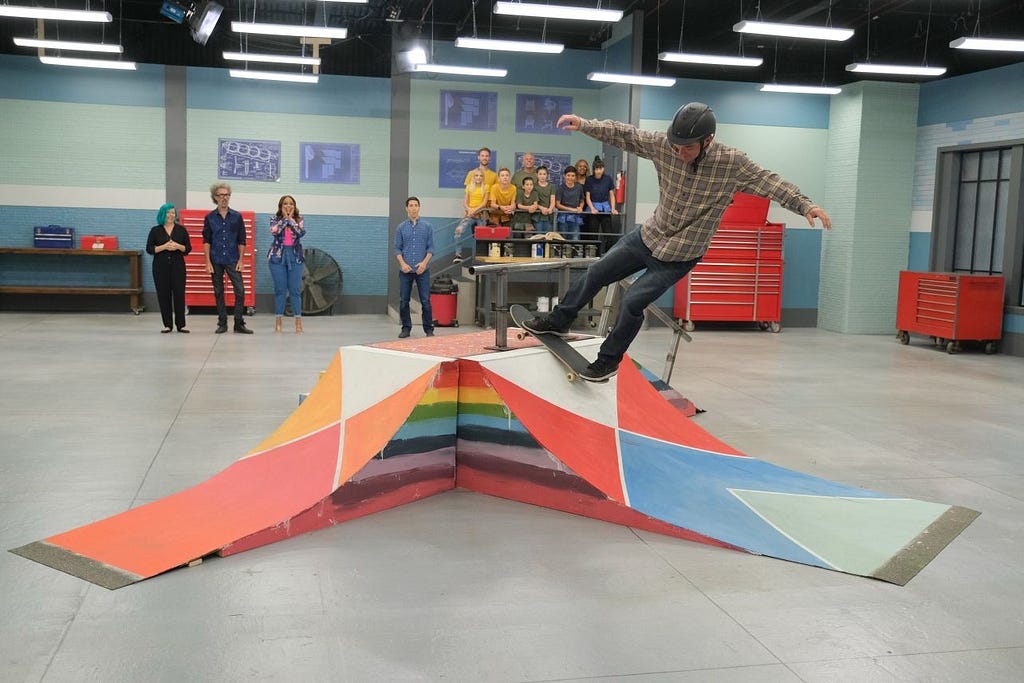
321 282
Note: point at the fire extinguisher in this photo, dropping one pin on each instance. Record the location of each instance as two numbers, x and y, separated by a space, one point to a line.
620 187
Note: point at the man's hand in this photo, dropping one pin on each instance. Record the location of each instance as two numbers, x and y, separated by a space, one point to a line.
406 268
420 267
819 213
569 122
240 266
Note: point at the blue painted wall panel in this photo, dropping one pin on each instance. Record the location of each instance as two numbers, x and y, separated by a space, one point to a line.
358 243
27 78
978 95
332 96
802 271
741 103
920 251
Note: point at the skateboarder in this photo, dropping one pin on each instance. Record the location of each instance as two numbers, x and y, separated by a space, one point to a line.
697 177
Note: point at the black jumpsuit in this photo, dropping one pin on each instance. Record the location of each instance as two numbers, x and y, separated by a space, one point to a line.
169 272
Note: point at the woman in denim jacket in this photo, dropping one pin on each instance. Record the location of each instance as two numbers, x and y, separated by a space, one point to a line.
286 260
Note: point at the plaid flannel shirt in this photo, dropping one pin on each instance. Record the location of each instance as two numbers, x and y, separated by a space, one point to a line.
691 203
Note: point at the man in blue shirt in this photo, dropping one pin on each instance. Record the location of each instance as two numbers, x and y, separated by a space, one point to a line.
414 247
223 245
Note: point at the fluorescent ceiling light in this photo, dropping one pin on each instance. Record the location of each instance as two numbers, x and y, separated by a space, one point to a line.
56 14
273 76
896 69
630 79
526 9
694 58
461 70
289 30
271 59
766 28
68 45
510 45
91 63
802 89
997 44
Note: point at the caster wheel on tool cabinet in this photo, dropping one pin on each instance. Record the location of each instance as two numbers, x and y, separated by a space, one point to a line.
952 347
903 336
775 327
990 347
689 325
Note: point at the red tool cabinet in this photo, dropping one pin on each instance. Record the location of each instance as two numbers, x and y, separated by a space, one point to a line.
950 307
198 285
740 276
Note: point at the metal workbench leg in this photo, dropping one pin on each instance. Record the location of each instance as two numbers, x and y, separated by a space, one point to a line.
501 311
605 321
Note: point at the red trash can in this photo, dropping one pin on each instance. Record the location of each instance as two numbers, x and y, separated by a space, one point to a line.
444 300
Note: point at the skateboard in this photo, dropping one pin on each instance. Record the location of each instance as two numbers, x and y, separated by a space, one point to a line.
568 356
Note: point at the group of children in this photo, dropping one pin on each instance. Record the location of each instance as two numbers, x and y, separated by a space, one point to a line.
529 204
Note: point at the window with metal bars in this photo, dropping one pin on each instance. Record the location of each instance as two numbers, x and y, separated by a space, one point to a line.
982 193
978 217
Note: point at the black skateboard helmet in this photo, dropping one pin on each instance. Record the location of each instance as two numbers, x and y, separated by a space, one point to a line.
692 123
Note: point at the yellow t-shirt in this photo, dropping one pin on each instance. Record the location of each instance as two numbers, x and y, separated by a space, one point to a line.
476 196
490 178
501 197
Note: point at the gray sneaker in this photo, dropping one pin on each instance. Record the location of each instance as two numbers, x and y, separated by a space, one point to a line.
543 325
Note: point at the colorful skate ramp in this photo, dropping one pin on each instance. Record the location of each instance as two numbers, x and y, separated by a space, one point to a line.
398 421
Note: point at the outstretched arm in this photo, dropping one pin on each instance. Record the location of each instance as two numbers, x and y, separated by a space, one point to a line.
627 137
819 213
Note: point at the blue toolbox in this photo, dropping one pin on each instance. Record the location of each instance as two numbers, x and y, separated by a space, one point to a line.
53 237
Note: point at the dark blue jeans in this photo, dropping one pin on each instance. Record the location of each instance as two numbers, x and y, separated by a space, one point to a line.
628 256
405 281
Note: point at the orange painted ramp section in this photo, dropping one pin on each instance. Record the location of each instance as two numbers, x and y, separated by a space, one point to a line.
251 494
289 473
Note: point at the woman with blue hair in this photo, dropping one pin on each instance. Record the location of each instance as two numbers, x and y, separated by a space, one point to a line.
168 243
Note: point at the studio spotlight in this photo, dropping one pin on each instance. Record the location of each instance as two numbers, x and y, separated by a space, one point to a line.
202 17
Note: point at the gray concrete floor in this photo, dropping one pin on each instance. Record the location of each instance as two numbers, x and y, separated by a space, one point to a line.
100 412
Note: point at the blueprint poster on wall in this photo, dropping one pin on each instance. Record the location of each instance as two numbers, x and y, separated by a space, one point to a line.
249 160
328 162
555 163
466 110
454 164
539 113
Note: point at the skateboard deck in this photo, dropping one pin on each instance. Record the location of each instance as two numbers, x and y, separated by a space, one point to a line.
568 356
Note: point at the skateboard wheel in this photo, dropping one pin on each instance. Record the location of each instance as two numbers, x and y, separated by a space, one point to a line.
571 376
521 336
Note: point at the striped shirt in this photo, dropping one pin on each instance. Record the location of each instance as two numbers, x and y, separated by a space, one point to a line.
691 203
